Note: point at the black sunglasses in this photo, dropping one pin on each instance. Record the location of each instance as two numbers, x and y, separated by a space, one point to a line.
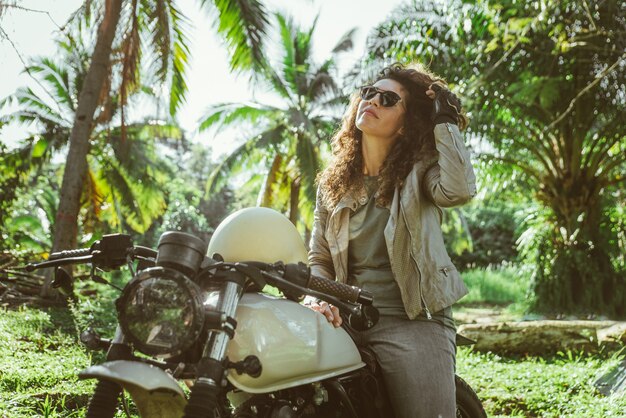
387 98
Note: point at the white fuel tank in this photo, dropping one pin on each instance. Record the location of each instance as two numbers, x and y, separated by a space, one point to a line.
295 345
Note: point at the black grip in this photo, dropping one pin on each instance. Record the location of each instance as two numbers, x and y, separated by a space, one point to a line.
333 288
70 254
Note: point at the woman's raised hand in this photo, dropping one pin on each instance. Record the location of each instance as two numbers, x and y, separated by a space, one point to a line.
446 106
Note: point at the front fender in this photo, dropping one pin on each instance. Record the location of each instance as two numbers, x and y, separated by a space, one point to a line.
155 393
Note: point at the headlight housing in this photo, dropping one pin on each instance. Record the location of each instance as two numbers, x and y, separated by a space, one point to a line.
160 312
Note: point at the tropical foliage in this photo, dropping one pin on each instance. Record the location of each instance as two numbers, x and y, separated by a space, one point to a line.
543 82
125 176
288 139
125 29
113 70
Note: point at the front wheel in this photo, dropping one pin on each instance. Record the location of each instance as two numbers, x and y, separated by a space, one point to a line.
467 403
104 401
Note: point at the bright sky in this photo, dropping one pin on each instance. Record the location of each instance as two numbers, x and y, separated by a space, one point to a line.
209 79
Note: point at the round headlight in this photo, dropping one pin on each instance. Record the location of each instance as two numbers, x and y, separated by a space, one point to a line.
161 312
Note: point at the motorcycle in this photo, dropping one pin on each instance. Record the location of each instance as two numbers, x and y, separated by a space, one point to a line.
203 320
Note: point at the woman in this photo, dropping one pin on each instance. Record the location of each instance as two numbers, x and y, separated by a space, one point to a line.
398 158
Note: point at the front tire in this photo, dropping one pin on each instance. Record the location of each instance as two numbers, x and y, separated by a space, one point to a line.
467 403
105 400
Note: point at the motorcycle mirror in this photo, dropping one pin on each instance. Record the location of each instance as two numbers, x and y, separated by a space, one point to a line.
367 319
63 281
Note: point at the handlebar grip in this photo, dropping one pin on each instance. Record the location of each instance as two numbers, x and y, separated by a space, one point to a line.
333 288
70 254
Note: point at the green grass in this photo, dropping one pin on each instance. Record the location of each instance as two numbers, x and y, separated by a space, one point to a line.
39 360
561 386
40 357
500 286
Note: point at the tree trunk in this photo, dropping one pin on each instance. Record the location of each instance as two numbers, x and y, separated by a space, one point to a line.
265 196
294 201
66 221
538 337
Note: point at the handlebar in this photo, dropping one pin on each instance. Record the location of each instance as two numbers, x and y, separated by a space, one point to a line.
70 254
296 279
113 251
110 252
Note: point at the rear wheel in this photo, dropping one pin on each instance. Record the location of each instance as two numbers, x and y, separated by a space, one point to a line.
467 403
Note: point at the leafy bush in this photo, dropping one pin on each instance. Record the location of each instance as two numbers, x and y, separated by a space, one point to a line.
493 227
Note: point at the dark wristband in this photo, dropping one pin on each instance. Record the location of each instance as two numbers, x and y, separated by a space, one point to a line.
444 119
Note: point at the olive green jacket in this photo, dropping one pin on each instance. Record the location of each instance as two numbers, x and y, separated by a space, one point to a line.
420 263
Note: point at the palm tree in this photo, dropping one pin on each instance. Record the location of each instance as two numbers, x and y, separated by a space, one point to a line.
125 175
134 23
287 139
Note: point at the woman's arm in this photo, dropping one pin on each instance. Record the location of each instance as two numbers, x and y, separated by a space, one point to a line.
451 181
320 260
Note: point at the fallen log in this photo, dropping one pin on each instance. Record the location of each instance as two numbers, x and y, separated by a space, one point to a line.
538 337
615 333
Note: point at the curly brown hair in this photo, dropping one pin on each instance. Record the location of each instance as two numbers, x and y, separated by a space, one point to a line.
415 144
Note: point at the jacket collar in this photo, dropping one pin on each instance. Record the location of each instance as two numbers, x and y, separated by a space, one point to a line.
355 197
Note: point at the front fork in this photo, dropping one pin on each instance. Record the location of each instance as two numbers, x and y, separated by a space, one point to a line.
210 381
106 394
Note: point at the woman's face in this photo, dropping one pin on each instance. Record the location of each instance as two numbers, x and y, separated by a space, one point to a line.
375 120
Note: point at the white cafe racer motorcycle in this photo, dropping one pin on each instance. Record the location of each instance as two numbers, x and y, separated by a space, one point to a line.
203 320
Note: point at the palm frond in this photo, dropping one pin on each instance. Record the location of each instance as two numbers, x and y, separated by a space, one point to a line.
346 42
248 151
288 48
278 85
243 23
92 200
56 77
180 59
34 106
137 155
323 84
303 57
304 43
131 56
119 184
224 115
160 33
